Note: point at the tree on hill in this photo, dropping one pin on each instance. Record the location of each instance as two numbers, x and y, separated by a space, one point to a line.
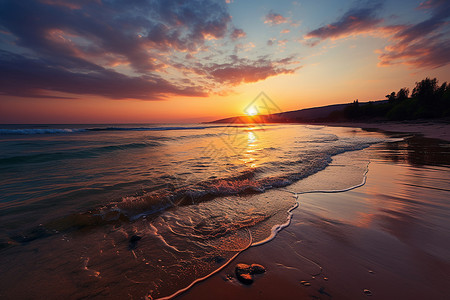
428 100
425 90
391 97
402 94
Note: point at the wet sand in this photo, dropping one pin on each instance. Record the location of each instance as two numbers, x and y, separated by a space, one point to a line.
388 239
431 129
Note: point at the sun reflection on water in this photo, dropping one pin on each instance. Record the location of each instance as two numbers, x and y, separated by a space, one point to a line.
249 154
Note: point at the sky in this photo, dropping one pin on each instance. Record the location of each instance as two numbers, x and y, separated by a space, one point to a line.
171 61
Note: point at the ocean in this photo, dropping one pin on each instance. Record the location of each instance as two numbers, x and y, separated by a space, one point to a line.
144 210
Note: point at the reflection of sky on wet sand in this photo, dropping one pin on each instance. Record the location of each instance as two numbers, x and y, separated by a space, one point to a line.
401 198
390 236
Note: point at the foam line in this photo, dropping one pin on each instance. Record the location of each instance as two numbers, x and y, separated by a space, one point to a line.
277 228
210 274
274 231
343 190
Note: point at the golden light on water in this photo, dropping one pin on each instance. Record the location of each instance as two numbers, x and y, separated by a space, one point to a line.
249 155
251 137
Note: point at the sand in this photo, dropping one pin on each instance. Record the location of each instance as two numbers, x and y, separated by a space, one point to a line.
431 129
388 239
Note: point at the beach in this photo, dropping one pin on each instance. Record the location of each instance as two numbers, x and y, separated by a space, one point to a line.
387 239
221 149
437 129
330 212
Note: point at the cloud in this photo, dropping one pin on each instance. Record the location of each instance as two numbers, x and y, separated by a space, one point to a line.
106 42
242 70
271 41
273 18
237 34
122 29
423 45
27 77
355 21
142 49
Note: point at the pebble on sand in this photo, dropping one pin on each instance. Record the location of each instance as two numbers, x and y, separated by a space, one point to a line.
257 269
244 272
305 283
367 292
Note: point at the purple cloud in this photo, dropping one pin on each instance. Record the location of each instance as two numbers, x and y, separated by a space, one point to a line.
27 77
425 44
237 34
120 49
354 22
240 70
273 18
81 41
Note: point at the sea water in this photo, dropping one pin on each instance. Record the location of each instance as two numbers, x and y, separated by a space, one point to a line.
119 211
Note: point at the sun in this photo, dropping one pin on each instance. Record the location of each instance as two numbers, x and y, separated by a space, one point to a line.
251 111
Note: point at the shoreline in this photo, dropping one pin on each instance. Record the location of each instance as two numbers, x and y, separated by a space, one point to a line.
436 129
311 224
325 254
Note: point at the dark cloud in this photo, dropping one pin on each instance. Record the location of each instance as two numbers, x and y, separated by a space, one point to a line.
425 44
123 28
355 21
28 77
121 48
273 18
79 40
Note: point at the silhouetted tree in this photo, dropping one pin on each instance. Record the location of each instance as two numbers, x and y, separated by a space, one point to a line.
428 100
402 94
391 97
352 110
441 90
425 90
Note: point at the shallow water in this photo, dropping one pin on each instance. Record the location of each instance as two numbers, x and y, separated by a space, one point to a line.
389 237
130 211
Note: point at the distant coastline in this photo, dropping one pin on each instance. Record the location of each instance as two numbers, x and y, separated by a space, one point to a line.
427 112
428 100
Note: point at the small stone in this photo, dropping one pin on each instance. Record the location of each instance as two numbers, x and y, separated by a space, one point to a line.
371 272
325 278
367 292
242 268
305 283
244 272
257 269
245 278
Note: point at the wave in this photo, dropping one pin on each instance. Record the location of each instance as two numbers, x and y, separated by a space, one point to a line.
32 131
174 194
72 154
151 128
246 182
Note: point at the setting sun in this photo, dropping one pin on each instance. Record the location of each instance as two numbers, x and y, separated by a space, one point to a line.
295 149
251 111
